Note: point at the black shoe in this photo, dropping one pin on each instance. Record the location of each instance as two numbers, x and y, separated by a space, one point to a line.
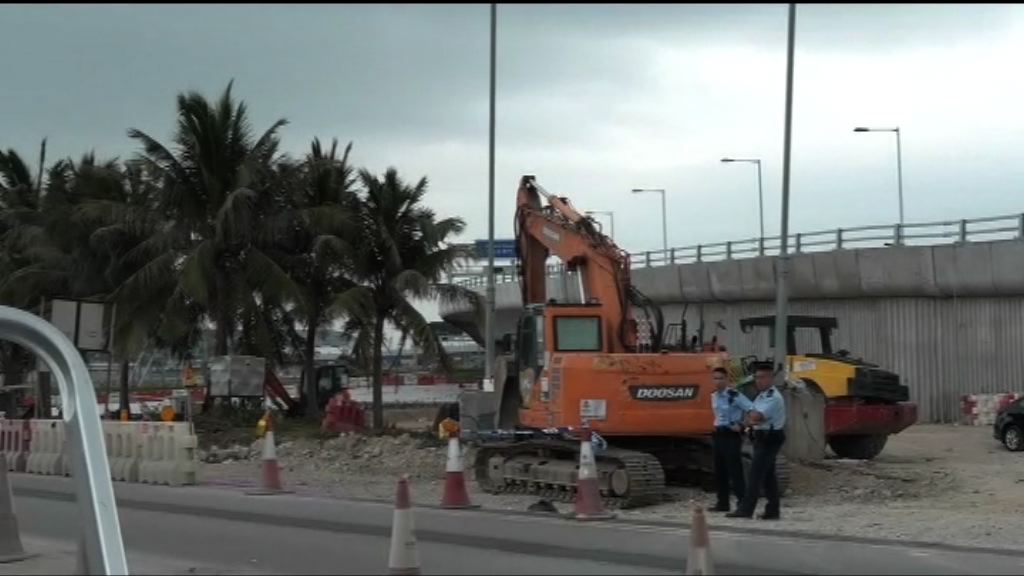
720 508
767 516
739 514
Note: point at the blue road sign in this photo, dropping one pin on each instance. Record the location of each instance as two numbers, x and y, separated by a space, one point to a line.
502 248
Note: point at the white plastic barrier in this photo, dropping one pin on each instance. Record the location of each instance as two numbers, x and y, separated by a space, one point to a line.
124 450
46 450
148 452
169 454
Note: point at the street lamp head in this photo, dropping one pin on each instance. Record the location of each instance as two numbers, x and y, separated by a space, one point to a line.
637 190
728 160
861 129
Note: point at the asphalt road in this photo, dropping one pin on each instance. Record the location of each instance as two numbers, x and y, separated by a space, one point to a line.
217 531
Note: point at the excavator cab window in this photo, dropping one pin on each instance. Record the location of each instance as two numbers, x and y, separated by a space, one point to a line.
578 334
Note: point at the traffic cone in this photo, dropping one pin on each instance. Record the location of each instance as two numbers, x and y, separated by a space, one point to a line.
698 561
11 549
271 476
588 494
455 493
403 558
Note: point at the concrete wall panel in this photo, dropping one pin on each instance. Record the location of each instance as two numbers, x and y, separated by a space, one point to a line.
695 282
1007 266
757 276
904 271
802 277
660 283
725 280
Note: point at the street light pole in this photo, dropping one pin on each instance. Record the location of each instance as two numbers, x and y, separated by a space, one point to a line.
899 160
760 189
489 315
609 214
899 171
664 220
782 268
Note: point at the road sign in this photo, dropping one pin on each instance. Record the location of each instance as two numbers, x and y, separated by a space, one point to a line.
502 248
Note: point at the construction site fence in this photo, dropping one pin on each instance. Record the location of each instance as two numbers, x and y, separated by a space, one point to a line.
139 452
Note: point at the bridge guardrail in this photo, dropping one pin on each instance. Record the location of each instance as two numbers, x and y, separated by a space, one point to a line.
102 545
876 236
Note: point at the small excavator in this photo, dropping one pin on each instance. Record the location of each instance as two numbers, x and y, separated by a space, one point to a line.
597 361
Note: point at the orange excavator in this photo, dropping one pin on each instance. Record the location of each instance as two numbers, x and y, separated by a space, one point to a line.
595 360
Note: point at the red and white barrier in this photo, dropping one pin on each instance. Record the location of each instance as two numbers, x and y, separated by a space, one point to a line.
983 409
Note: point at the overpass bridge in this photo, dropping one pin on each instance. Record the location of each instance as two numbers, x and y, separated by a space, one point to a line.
940 303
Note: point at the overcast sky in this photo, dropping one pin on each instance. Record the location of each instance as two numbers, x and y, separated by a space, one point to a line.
593 100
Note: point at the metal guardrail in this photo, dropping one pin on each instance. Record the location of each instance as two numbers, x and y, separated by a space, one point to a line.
101 542
879 236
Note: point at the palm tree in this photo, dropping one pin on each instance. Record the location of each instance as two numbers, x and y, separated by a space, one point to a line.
402 253
21 222
219 189
119 219
321 223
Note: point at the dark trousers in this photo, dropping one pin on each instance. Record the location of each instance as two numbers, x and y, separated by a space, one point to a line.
728 465
762 473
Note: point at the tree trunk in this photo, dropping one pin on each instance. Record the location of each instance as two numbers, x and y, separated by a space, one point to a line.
223 321
312 400
43 407
378 373
11 369
124 404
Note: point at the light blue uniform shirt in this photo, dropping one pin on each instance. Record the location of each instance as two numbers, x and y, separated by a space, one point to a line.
729 406
773 407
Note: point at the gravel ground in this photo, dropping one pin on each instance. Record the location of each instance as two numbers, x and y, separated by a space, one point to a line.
946 484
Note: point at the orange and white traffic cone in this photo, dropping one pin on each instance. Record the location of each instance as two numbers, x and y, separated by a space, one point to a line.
588 493
455 493
271 471
698 560
403 559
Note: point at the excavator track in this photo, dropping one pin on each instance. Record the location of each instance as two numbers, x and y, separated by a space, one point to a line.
640 472
548 468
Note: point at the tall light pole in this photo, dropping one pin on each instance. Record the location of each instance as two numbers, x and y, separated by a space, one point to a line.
782 267
664 221
489 315
760 190
899 159
609 214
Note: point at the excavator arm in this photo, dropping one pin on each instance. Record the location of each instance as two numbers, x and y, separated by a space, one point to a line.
603 269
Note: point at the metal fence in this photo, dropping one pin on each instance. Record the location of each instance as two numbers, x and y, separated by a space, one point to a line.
915 234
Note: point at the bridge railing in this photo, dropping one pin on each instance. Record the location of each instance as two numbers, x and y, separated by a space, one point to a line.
878 236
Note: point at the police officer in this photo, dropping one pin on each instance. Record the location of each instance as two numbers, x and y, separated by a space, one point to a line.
729 407
768 417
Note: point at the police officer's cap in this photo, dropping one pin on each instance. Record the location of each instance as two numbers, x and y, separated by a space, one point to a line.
759 366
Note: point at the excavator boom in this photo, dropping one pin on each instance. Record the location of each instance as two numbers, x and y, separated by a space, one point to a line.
601 267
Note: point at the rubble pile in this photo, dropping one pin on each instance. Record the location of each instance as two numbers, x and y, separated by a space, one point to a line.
347 454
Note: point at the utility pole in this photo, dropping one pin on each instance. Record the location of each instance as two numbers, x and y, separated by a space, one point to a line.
489 316
782 263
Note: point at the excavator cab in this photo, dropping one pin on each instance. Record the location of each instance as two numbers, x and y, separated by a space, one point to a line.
572 328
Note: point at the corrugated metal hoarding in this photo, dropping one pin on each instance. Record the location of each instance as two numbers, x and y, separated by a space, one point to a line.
941 348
